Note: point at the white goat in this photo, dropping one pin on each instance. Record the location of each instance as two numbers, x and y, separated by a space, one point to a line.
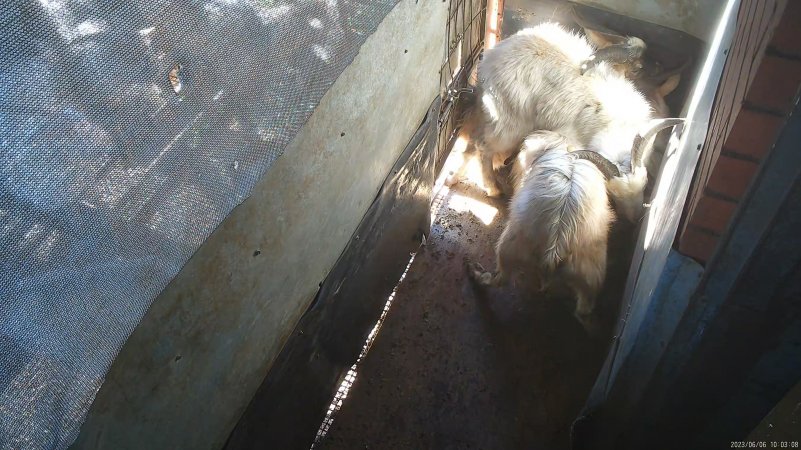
627 56
559 218
533 81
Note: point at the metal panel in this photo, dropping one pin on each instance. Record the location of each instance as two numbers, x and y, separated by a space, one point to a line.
691 16
660 225
742 326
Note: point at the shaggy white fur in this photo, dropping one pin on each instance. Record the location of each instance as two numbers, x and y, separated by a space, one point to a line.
559 218
532 81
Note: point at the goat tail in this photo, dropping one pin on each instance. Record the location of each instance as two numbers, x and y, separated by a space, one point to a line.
551 260
562 210
550 268
552 255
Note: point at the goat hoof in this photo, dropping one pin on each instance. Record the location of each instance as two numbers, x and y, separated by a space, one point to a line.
474 270
473 267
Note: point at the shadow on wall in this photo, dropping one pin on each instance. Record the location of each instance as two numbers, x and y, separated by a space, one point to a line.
109 180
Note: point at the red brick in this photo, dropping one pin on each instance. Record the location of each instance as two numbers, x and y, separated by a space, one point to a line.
731 177
697 244
713 213
775 84
753 133
787 36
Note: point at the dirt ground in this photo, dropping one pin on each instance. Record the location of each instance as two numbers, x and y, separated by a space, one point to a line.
454 367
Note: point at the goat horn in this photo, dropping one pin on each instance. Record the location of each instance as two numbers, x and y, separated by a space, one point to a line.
641 140
607 168
631 49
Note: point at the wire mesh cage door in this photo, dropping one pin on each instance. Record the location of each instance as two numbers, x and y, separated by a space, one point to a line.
466 37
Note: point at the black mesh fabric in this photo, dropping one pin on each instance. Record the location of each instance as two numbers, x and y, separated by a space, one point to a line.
109 180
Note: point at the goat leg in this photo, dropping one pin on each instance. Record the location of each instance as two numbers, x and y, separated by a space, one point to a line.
488 175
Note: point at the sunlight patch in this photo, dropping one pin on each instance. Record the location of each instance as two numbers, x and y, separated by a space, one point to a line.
321 52
450 174
472 171
489 104
350 377
458 60
486 213
88 28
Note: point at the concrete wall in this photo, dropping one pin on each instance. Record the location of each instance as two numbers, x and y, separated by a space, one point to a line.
691 16
191 367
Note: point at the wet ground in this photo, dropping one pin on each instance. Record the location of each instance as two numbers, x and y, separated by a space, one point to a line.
454 367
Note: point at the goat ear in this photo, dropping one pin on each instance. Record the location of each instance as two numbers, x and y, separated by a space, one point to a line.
602 39
596 33
669 85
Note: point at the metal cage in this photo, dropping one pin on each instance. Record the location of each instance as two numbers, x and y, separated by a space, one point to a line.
466 38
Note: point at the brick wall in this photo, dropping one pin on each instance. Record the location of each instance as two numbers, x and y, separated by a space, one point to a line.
758 87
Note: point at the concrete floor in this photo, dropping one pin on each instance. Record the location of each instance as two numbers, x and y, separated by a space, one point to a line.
453 367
